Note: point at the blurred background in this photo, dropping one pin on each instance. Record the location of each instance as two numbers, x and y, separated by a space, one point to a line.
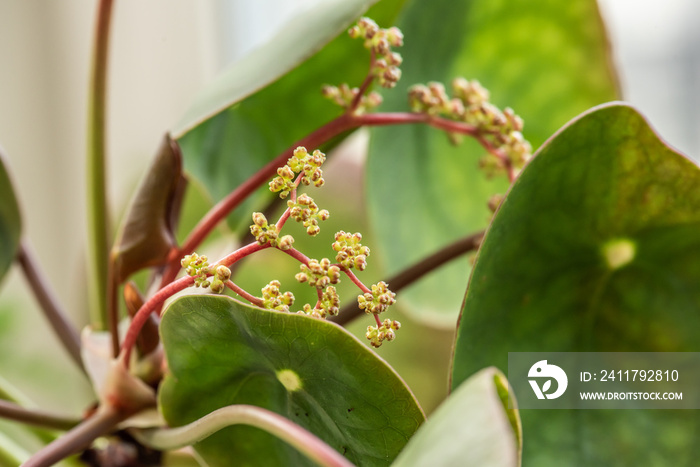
163 51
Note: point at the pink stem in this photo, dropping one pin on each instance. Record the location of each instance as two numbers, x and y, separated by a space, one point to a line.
363 87
357 281
254 300
334 128
144 312
298 255
168 291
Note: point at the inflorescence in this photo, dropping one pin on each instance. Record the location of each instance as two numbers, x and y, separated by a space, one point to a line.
499 131
204 275
470 104
384 66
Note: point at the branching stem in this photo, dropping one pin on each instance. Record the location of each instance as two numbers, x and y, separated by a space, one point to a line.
328 131
416 271
168 291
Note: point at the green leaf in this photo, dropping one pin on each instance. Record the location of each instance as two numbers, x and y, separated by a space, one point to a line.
295 42
10 221
474 426
147 232
225 150
547 60
595 248
311 371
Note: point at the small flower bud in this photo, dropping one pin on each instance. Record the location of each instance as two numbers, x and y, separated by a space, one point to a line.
217 286
394 36
223 273
285 243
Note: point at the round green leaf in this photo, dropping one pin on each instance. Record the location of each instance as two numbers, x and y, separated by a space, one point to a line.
313 372
547 60
474 426
10 221
595 248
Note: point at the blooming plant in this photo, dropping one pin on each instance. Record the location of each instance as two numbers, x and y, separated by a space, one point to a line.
230 375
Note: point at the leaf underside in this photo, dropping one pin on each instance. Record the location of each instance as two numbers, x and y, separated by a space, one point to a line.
10 220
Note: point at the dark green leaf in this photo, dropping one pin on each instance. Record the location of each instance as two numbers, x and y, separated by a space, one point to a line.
296 41
227 149
147 233
547 60
10 221
596 248
474 426
311 371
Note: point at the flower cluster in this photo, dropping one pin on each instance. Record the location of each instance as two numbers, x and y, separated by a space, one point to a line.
328 304
306 211
385 66
386 331
350 251
198 267
319 274
267 233
273 299
300 162
377 301
470 104
344 96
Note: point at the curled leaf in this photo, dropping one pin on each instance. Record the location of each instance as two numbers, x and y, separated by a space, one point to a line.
146 236
10 221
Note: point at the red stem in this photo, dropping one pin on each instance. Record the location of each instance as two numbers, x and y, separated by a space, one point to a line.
168 291
297 255
145 311
357 281
328 131
365 84
254 300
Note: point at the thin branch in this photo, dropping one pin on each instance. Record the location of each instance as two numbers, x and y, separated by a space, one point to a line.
144 313
50 305
364 86
345 122
230 202
356 281
413 273
17 413
304 441
168 291
102 422
98 213
250 298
